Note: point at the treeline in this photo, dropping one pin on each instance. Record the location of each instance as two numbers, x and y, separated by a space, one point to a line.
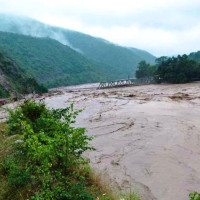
180 69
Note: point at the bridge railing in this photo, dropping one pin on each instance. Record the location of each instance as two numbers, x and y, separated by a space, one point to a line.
125 82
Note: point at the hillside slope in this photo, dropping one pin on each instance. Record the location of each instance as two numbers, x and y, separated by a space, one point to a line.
144 55
113 59
13 79
48 61
195 56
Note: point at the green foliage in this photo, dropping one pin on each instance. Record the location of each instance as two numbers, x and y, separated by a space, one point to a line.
3 92
195 56
130 196
14 79
177 70
48 152
17 177
50 62
54 64
194 196
145 70
116 61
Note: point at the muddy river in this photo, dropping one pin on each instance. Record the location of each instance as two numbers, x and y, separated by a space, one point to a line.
147 138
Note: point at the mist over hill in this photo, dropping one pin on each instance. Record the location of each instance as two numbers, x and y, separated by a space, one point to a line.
50 62
113 60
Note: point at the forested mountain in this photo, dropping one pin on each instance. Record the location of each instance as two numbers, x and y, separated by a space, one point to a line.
48 61
14 79
114 60
144 55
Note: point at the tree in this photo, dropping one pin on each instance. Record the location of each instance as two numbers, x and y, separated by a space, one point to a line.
143 70
178 69
160 60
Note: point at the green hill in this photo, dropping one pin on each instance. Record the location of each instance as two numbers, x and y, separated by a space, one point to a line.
144 55
14 79
114 60
117 60
48 61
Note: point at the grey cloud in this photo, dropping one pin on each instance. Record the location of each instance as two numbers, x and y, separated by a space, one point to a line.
174 27
28 26
166 19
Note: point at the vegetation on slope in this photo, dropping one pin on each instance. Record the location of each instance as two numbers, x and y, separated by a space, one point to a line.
48 61
14 79
117 60
114 60
145 70
195 56
144 55
178 69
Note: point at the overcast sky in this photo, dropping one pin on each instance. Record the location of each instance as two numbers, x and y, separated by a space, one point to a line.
162 27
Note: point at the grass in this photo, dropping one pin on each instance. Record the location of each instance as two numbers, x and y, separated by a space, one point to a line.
99 190
130 196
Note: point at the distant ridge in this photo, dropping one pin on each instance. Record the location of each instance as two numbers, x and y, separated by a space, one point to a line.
110 60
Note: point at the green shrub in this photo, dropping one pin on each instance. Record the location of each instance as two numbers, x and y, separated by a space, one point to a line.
49 150
130 196
180 69
194 196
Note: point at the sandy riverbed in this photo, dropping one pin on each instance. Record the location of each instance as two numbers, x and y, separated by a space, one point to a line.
147 137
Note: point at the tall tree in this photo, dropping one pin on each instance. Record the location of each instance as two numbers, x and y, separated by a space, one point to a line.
142 70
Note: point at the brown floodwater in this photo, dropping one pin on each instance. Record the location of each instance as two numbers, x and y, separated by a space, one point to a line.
147 138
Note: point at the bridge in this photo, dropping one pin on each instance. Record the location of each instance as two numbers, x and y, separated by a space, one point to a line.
125 82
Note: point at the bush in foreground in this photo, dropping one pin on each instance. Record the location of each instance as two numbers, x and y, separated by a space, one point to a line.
48 152
194 196
41 157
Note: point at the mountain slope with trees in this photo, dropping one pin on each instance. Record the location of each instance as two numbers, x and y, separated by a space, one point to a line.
117 60
14 79
144 55
48 61
113 59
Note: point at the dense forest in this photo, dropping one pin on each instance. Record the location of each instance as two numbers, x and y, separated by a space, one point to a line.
113 59
14 79
50 62
180 69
